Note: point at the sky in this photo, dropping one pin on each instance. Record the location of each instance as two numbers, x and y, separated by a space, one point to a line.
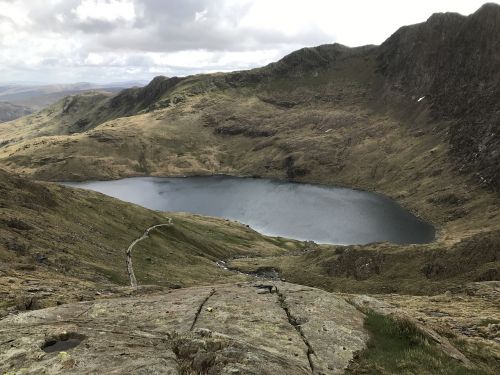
102 41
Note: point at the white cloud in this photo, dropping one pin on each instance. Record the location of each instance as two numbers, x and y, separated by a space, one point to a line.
201 16
94 59
15 11
203 61
108 10
353 22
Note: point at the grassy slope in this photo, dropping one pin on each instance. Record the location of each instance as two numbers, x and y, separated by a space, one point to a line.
182 140
397 347
385 268
316 126
72 242
59 118
238 131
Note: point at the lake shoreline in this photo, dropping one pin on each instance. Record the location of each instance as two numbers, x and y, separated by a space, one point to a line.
311 212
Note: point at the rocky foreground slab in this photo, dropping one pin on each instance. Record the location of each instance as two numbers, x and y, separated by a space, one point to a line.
245 328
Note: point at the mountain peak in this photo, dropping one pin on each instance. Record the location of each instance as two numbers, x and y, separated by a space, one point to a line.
488 8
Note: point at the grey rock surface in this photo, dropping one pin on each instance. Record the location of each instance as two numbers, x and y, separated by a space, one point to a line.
221 329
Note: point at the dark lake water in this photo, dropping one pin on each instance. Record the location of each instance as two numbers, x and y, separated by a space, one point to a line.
301 211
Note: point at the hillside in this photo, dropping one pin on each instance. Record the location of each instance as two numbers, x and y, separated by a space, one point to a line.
358 110
59 244
455 65
367 81
18 100
416 118
9 111
38 96
374 120
362 85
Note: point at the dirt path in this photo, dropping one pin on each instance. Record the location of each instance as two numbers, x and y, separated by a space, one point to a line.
130 267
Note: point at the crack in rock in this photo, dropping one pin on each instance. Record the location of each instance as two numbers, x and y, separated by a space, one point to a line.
198 312
294 322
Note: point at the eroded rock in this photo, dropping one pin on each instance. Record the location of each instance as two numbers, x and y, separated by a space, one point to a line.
222 329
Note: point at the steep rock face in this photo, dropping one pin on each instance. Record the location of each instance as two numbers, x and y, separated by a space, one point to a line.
298 64
76 111
136 99
314 58
454 63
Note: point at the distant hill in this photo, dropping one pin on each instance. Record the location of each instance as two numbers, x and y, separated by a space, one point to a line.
9 111
19 100
416 118
446 69
39 96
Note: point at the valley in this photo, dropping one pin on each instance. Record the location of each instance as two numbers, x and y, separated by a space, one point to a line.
415 119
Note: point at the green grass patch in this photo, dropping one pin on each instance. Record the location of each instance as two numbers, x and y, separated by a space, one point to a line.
486 322
398 347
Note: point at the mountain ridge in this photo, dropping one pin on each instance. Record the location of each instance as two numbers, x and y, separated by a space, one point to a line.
429 60
394 118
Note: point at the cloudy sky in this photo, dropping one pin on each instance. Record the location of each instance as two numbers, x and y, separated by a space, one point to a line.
57 41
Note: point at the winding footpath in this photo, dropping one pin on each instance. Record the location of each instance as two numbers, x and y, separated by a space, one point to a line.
130 267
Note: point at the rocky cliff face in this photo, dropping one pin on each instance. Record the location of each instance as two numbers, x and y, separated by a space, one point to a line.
137 99
305 60
451 61
454 63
